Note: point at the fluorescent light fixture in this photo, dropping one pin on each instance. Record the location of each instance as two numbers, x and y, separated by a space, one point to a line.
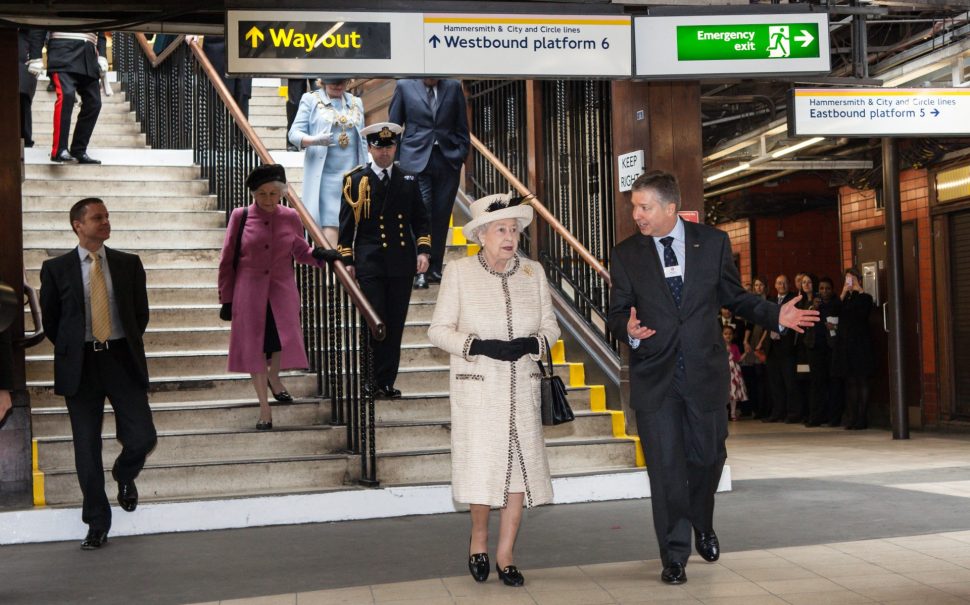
720 175
793 148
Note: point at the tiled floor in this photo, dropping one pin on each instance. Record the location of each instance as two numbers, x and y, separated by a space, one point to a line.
932 569
919 570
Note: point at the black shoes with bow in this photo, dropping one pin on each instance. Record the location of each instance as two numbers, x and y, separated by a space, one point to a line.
510 576
479 566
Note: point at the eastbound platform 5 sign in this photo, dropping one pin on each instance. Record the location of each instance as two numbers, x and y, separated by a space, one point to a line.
879 112
527 45
413 44
732 45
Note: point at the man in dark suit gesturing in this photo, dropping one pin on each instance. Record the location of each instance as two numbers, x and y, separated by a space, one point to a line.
434 147
669 282
95 309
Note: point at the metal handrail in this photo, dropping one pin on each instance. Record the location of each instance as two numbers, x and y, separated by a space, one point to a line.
35 314
153 59
377 328
541 210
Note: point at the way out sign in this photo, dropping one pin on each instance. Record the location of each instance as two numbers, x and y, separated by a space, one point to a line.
312 43
540 46
748 45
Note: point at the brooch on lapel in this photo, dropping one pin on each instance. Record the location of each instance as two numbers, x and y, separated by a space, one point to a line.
527 270
408 177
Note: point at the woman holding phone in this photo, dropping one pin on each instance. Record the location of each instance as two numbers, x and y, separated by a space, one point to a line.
853 357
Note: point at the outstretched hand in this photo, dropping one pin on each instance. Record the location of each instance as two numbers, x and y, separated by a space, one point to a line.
635 330
792 317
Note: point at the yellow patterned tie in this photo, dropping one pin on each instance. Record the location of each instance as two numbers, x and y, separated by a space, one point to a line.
100 311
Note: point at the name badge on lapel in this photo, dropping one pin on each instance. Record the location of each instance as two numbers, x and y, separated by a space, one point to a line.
673 271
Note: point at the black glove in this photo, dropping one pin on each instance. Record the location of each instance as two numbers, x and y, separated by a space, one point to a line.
326 254
503 350
527 345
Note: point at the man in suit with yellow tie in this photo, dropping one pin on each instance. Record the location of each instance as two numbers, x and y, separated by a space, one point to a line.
95 309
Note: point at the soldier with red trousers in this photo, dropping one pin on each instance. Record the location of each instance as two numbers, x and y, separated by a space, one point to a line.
75 63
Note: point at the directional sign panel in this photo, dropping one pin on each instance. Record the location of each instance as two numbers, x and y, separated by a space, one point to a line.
737 45
311 43
527 45
879 112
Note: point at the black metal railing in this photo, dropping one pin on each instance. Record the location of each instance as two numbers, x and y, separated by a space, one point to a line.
182 103
576 172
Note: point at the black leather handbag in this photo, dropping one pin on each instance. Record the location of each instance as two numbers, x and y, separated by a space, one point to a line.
225 312
555 407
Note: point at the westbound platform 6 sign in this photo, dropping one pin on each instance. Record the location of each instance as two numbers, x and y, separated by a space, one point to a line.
738 45
879 112
403 44
527 45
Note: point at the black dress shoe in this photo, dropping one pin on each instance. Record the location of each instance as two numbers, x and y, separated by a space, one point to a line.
84 158
510 575
707 545
95 539
421 282
127 496
434 277
674 574
479 566
63 156
389 392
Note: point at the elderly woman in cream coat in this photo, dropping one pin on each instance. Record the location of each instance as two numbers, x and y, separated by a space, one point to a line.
494 316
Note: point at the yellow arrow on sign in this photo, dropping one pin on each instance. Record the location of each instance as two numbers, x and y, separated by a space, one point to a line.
256 35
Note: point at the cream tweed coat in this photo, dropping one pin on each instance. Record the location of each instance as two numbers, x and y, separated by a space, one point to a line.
496 429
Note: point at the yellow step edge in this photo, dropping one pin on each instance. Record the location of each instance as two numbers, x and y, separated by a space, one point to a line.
473 249
577 375
283 91
458 237
559 352
39 498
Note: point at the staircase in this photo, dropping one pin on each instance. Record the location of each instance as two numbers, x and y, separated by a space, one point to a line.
208 447
267 113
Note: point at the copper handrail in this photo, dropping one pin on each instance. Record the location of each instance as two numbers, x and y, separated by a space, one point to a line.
38 335
374 322
149 51
542 211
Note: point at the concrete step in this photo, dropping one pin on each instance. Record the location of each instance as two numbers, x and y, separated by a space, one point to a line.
196 415
268 100
161 364
103 172
161 278
435 378
279 142
182 389
121 203
415 435
46 128
110 114
274 119
190 258
167 339
437 407
271 109
54 220
242 478
75 188
565 456
266 91
134 238
57 453
98 139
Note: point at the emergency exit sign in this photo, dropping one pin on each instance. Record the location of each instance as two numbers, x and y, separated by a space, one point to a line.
732 45
742 42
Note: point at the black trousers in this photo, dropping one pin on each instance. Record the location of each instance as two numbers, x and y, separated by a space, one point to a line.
857 401
68 87
819 360
754 381
439 185
390 297
26 121
684 448
110 374
785 402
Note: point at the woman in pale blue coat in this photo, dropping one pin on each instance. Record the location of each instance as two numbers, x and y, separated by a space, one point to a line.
328 125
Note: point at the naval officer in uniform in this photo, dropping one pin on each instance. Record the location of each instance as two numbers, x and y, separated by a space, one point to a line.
385 239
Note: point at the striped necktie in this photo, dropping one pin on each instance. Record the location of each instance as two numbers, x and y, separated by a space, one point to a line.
100 309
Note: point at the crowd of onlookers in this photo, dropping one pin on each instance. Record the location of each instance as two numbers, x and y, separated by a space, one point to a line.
819 377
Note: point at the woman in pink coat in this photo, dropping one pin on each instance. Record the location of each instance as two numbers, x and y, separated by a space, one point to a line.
266 335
